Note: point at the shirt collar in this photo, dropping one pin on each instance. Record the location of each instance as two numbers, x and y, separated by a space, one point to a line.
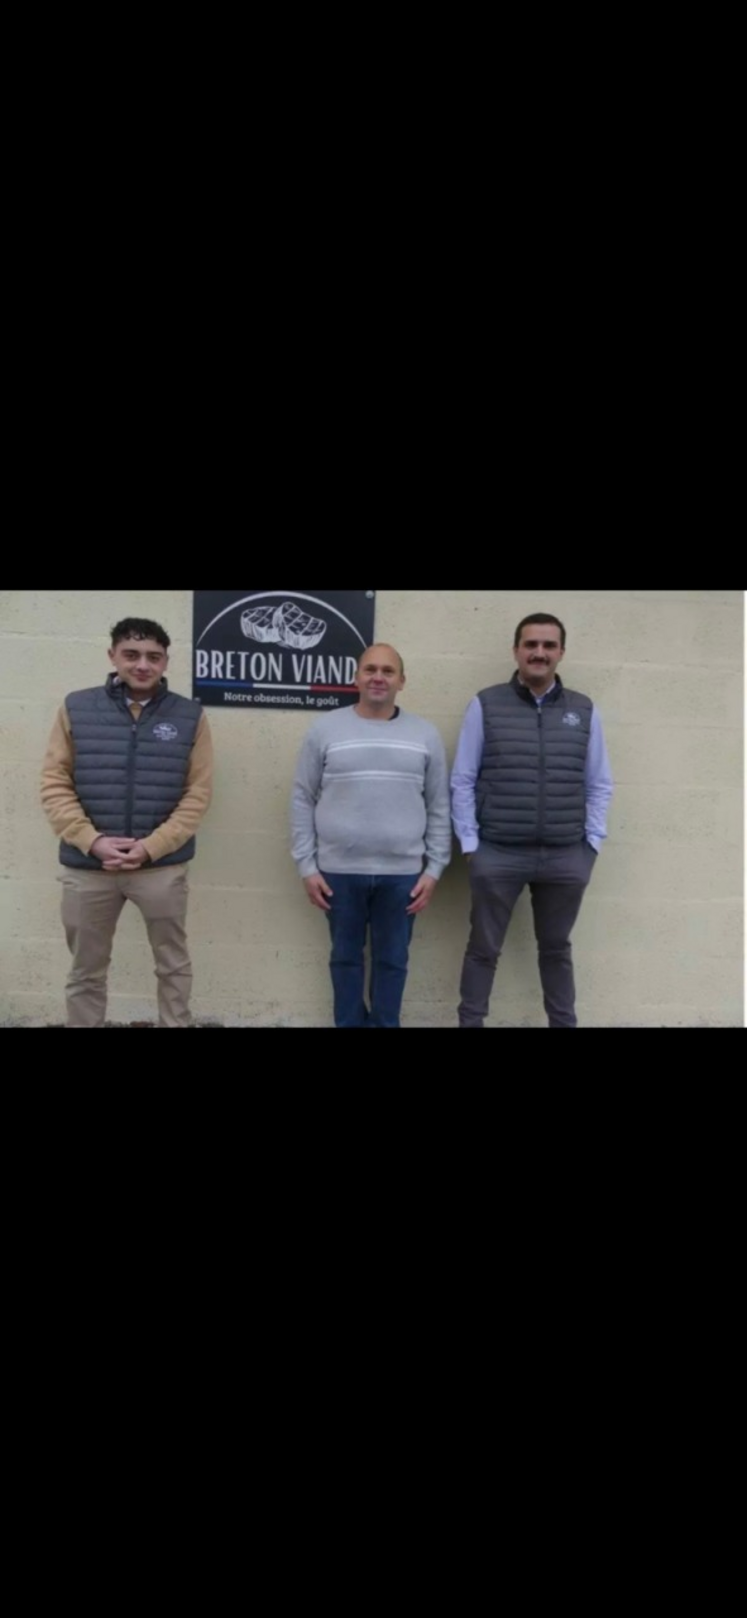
538 700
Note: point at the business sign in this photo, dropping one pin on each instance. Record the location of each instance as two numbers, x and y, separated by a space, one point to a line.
280 648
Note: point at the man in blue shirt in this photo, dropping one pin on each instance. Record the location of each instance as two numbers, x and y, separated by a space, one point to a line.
530 788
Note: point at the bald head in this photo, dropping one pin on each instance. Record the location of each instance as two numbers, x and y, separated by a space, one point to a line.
380 678
382 653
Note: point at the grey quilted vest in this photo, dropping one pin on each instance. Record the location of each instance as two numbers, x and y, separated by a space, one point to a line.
531 786
130 774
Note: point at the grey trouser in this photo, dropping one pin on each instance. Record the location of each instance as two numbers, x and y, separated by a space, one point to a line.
557 879
92 903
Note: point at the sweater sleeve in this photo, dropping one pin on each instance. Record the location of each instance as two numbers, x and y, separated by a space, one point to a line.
307 785
183 821
60 801
438 808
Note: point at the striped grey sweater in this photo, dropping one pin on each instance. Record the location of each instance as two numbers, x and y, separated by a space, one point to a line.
371 797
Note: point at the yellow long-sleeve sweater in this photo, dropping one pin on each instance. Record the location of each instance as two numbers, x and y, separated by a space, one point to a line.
69 820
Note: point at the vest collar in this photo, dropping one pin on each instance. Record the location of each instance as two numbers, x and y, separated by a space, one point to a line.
524 692
116 689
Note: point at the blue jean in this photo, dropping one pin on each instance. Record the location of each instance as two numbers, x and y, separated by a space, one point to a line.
379 902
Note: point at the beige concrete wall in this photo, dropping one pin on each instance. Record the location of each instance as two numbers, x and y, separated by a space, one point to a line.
660 937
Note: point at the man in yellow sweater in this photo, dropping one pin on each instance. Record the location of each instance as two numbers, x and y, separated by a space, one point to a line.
126 780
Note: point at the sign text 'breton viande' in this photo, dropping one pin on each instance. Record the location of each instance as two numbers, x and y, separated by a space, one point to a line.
280 648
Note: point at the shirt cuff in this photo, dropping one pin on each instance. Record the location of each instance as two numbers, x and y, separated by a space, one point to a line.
307 868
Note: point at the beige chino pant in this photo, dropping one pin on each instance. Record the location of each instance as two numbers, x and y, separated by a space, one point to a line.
92 903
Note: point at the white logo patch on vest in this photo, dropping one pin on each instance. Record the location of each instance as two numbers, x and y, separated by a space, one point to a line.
571 719
165 732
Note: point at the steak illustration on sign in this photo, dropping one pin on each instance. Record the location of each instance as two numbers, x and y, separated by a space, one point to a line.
258 623
287 625
297 628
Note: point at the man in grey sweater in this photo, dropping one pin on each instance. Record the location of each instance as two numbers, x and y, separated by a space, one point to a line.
371 835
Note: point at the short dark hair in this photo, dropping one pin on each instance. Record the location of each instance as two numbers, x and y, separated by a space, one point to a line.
140 629
540 618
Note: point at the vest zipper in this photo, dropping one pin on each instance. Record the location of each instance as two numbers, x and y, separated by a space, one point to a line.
541 793
131 777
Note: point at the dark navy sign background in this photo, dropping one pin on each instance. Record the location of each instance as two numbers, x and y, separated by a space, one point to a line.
280 648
